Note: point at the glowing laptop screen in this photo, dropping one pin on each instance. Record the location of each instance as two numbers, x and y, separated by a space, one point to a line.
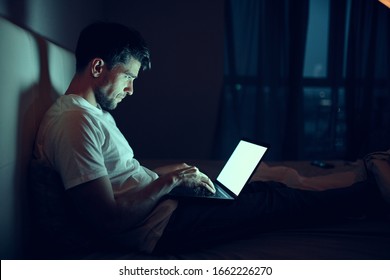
241 165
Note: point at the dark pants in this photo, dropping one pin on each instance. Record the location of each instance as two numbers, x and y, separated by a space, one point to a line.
261 207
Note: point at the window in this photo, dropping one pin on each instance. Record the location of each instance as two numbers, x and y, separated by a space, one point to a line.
307 76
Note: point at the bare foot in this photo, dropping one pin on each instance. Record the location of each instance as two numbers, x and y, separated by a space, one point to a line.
380 169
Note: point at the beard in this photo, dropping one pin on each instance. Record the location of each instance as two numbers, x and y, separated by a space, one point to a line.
104 102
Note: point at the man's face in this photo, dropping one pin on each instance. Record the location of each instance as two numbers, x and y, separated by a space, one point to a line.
116 84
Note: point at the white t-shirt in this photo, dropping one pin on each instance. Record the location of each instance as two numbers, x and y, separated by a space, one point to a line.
83 143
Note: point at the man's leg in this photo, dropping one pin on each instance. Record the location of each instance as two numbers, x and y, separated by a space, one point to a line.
261 207
292 178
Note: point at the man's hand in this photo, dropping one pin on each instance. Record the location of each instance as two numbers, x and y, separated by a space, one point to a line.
192 177
189 176
184 174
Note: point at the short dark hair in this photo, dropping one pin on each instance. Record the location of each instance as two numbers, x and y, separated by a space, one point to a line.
113 42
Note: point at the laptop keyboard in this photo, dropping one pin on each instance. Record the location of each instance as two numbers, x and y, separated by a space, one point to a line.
191 191
202 191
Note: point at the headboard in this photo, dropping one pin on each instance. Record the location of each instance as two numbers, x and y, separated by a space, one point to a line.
33 72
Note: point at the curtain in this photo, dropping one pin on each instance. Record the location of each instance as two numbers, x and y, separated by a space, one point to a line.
262 92
367 79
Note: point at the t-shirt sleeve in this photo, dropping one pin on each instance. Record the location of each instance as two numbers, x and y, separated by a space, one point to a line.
79 157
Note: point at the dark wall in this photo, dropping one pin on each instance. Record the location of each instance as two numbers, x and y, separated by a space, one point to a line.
59 21
173 111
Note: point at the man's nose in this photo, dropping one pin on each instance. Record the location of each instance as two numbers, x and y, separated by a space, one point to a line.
129 89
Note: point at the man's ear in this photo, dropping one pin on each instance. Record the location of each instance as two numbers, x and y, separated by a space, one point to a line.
97 67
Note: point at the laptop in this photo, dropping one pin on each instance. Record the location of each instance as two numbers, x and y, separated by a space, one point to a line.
234 175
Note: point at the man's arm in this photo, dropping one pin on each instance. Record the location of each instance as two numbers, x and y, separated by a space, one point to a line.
107 212
169 168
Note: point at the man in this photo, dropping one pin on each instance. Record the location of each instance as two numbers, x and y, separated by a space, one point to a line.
80 140
116 198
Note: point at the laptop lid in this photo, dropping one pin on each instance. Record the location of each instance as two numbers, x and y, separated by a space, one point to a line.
241 165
